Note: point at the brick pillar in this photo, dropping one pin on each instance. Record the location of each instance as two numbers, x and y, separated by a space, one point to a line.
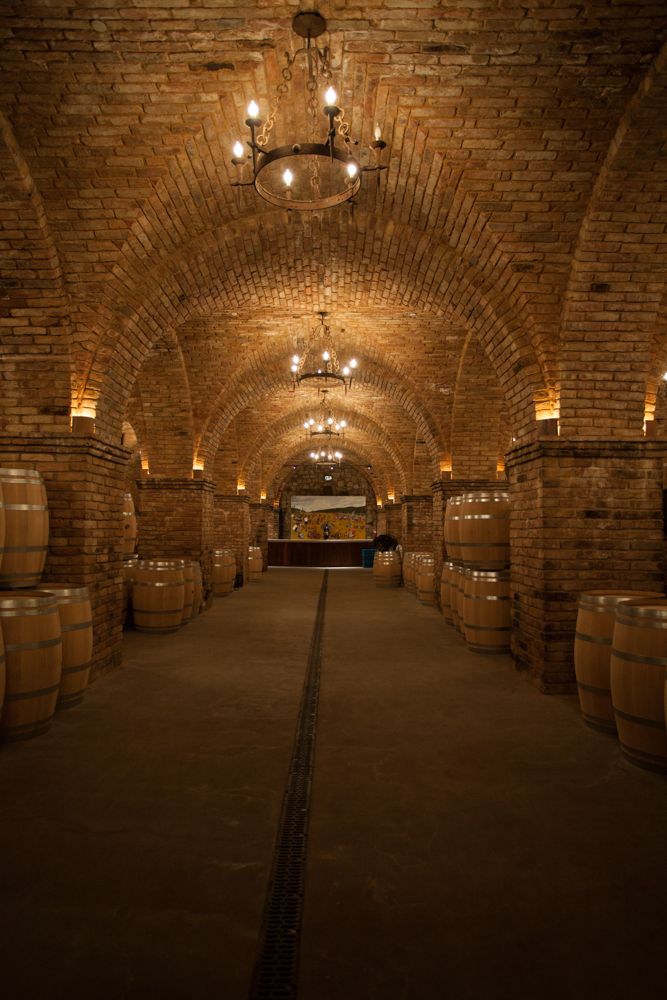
417 523
175 520
231 528
585 515
85 483
393 514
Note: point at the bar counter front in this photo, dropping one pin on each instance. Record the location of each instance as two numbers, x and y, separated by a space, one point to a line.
334 552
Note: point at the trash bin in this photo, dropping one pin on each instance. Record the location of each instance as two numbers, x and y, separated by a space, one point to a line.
367 556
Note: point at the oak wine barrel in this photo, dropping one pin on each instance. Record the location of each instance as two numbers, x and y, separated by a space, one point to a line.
638 663
198 596
129 525
129 566
409 570
224 571
596 618
446 592
424 579
188 590
487 612
158 595
33 662
255 564
26 528
484 529
387 569
452 528
76 626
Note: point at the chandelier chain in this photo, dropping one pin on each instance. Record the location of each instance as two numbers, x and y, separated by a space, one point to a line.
281 90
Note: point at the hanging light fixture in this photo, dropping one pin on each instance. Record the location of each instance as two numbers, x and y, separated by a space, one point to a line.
303 173
319 366
326 457
324 424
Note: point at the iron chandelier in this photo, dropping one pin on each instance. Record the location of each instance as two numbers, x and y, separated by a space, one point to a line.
319 366
332 173
324 424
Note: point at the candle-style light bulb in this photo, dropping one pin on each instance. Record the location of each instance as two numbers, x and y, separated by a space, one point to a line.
305 424
352 169
331 97
253 109
237 149
377 132
325 355
295 359
288 177
353 363
343 423
346 370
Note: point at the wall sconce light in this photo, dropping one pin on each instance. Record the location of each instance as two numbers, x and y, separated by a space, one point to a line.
240 487
390 496
83 420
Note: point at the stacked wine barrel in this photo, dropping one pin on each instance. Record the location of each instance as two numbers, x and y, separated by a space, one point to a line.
46 632
620 660
165 593
255 564
475 581
224 572
387 569
418 569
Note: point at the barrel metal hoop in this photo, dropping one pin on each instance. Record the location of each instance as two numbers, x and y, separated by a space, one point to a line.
654 661
486 628
649 723
597 639
76 670
488 597
76 628
592 689
164 611
21 647
25 695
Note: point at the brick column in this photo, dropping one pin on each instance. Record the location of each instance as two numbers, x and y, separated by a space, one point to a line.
231 528
84 479
585 515
393 514
417 523
175 520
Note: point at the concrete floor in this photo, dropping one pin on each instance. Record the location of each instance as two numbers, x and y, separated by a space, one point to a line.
469 838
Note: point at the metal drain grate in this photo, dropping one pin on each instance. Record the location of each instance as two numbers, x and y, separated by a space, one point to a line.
276 968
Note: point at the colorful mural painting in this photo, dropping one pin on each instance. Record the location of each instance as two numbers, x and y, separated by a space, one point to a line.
329 517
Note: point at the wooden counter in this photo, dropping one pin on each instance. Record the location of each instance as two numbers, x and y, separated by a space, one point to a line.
346 552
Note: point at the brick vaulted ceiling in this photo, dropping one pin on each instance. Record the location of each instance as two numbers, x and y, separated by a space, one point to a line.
526 176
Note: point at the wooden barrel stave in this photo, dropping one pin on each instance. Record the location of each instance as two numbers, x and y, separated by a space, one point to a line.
26 537
33 663
487 611
483 529
387 569
637 671
596 617
76 626
224 572
158 594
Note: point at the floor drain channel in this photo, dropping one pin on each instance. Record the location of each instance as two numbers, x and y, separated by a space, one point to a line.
276 968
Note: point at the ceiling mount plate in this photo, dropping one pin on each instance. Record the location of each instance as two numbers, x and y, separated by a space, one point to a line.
309 24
